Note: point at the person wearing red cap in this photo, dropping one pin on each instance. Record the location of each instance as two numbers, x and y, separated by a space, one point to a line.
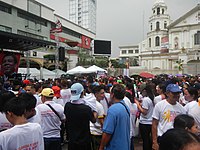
57 97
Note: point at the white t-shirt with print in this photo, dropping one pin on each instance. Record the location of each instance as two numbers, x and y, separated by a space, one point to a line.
148 105
165 113
50 122
4 123
22 137
193 109
95 128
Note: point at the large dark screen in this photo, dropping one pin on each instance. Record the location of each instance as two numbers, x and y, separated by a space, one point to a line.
102 47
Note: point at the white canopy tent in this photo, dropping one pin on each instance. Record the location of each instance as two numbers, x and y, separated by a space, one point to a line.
34 72
77 70
95 69
48 74
59 72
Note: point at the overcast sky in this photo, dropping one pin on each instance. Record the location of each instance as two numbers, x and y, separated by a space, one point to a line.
124 22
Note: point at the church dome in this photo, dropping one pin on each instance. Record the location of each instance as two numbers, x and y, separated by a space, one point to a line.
159 3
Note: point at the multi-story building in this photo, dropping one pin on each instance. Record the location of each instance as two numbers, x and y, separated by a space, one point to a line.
25 27
83 13
171 47
129 54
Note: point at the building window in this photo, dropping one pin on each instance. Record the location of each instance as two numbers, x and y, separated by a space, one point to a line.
32 18
149 42
158 11
165 25
5 8
197 38
130 51
123 51
151 27
157 41
137 51
176 43
6 29
157 25
163 11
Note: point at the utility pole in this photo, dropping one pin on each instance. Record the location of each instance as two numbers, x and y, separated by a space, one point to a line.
28 64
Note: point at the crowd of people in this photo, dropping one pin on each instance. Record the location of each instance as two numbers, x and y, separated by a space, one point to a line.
100 114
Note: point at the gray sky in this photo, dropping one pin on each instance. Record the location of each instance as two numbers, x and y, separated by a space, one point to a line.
124 22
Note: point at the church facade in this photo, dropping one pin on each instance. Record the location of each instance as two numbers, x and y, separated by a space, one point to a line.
172 47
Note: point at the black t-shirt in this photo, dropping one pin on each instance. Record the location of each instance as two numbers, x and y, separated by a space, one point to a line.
78 117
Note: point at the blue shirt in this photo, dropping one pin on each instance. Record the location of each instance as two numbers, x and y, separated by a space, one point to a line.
117 123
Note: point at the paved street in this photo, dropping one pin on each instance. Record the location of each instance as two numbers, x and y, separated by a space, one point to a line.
138 145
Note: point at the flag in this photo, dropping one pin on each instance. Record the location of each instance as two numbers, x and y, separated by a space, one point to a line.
58 27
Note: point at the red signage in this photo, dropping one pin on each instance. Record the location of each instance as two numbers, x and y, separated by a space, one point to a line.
86 41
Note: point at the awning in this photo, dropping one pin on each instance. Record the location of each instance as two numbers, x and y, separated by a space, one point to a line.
19 42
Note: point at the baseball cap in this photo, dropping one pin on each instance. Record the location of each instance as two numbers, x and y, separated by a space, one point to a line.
173 88
26 82
56 90
76 90
48 92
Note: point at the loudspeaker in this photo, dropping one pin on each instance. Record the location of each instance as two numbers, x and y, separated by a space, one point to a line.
61 53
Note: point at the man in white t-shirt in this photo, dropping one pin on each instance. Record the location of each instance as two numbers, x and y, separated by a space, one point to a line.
96 128
23 135
51 120
4 123
165 112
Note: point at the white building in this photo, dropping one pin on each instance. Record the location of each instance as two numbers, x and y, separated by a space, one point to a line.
83 13
168 44
129 54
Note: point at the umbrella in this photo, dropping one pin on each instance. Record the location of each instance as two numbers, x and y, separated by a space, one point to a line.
179 75
146 75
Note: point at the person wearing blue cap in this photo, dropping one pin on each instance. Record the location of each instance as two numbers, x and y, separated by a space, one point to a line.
165 112
78 117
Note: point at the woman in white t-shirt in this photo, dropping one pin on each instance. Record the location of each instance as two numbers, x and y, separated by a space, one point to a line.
145 123
65 91
192 107
160 89
191 96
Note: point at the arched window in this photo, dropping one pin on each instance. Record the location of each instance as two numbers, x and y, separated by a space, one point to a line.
157 41
157 25
149 42
165 25
151 27
197 38
158 11
163 11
